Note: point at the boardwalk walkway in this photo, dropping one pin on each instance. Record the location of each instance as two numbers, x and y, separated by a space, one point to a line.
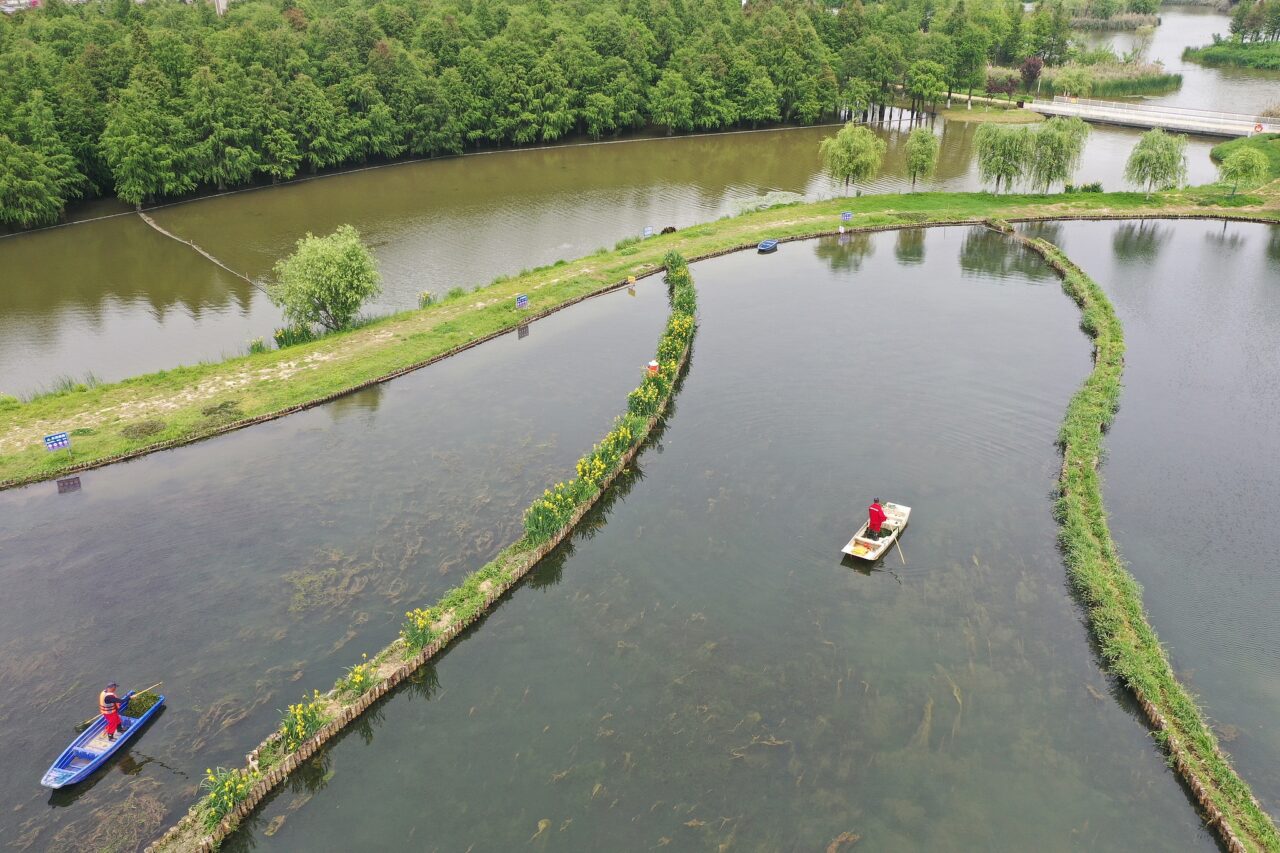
1177 119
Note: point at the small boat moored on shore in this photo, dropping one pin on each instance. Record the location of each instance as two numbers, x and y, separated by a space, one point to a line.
863 548
91 749
767 247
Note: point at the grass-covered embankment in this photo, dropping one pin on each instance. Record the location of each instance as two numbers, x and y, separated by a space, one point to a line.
232 793
159 410
1112 596
1267 143
1264 55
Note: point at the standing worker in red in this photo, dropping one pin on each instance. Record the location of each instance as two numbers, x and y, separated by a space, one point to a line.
875 518
109 705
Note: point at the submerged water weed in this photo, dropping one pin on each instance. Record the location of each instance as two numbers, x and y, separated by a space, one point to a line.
227 789
416 630
358 679
301 721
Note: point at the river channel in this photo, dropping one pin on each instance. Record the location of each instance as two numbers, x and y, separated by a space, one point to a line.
1241 90
703 670
247 570
1192 458
115 298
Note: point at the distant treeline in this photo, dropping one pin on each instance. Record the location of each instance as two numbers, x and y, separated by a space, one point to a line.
158 99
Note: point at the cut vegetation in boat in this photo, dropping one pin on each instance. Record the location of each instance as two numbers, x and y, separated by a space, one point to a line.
91 749
864 547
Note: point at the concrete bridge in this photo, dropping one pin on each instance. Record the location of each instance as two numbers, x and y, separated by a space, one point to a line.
1143 115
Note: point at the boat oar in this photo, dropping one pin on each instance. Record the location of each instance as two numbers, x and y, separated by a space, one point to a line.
899 544
82 726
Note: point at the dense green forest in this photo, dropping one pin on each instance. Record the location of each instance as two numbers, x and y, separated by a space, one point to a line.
161 98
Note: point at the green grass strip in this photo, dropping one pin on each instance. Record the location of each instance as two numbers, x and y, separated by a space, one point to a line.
1114 599
120 420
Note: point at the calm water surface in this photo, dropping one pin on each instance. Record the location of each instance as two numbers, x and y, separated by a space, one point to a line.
247 570
115 298
701 670
1192 461
1245 90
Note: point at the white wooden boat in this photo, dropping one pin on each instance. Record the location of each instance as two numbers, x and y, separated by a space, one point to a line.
860 546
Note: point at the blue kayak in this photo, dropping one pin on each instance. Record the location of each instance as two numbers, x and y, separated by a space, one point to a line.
92 749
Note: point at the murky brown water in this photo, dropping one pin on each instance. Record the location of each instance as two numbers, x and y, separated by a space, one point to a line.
115 298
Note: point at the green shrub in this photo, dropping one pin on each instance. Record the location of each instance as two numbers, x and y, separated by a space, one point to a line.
358 679
301 721
293 335
459 292
426 298
227 789
8 403
416 630
257 346
625 242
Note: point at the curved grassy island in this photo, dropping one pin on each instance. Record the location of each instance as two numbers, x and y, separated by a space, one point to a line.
121 420
1110 594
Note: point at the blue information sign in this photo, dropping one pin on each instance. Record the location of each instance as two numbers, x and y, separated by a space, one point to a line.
846 216
522 301
648 231
57 441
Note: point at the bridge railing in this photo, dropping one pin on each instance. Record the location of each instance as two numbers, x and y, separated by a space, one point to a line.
1208 115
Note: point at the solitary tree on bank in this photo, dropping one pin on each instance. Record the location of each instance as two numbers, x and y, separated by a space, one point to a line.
1247 166
922 154
326 280
1158 161
853 155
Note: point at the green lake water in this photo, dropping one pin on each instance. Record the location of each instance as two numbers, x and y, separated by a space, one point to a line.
1191 473
247 570
700 668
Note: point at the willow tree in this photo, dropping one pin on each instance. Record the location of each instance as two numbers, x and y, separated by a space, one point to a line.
1246 166
1158 161
1004 153
853 155
1055 151
922 154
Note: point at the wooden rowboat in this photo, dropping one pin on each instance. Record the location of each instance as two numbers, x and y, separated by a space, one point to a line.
860 546
92 749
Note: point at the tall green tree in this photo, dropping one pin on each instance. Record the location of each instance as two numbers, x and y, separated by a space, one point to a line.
922 154
145 141
1244 166
1003 153
326 280
1158 161
1056 148
671 104
27 186
853 155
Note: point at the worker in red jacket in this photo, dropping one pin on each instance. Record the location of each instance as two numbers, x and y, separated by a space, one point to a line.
876 518
109 705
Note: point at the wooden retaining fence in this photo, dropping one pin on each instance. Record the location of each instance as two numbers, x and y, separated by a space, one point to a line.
279 772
